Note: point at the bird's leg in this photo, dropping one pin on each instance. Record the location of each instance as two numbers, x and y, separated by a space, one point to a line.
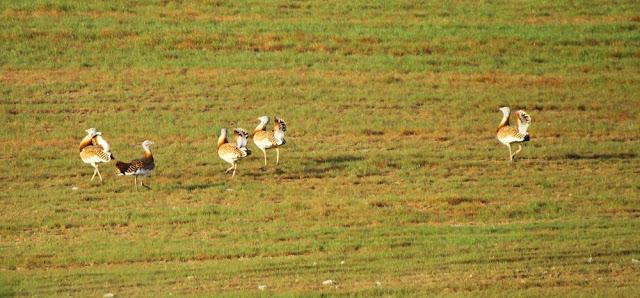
229 169
142 183
98 171
235 166
135 181
510 155
145 185
265 156
519 148
277 156
94 173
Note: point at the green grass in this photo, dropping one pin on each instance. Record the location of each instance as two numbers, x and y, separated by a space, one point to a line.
391 182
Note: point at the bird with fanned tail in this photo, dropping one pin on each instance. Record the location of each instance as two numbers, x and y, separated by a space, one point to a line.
138 167
269 139
508 135
95 150
233 152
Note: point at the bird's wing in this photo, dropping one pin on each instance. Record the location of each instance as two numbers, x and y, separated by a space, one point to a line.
279 129
264 139
241 141
280 125
509 134
132 167
95 153
277 138
231 151
523 121
135 165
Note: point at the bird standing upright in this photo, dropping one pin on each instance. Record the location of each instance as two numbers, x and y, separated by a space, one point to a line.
138 167
95 150
269 139
230 152
508 135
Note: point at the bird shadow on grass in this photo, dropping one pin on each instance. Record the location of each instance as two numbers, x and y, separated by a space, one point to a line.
199 186
601 156
338 159
321 172
327 166
257 173
321 167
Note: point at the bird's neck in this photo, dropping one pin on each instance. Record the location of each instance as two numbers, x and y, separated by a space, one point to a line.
505 120
222 139
147 154
260 127
86 141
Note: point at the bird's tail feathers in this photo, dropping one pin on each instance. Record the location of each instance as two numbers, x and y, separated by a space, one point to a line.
241 137
523 121
245 151
278 131
241 132
122 167
280 124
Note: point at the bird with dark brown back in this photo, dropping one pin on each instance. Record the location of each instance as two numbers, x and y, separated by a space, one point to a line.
138 167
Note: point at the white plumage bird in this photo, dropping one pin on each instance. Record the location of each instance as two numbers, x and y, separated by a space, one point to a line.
233 152
269 139
95 150
508 135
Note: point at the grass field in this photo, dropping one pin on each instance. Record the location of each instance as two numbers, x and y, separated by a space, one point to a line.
391 181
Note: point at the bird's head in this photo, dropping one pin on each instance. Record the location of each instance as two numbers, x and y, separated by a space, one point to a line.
505 110
263 119
147 144
92 132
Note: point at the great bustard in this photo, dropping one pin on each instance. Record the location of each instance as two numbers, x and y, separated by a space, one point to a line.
95 150
231 152
138 167
508 135
269 139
